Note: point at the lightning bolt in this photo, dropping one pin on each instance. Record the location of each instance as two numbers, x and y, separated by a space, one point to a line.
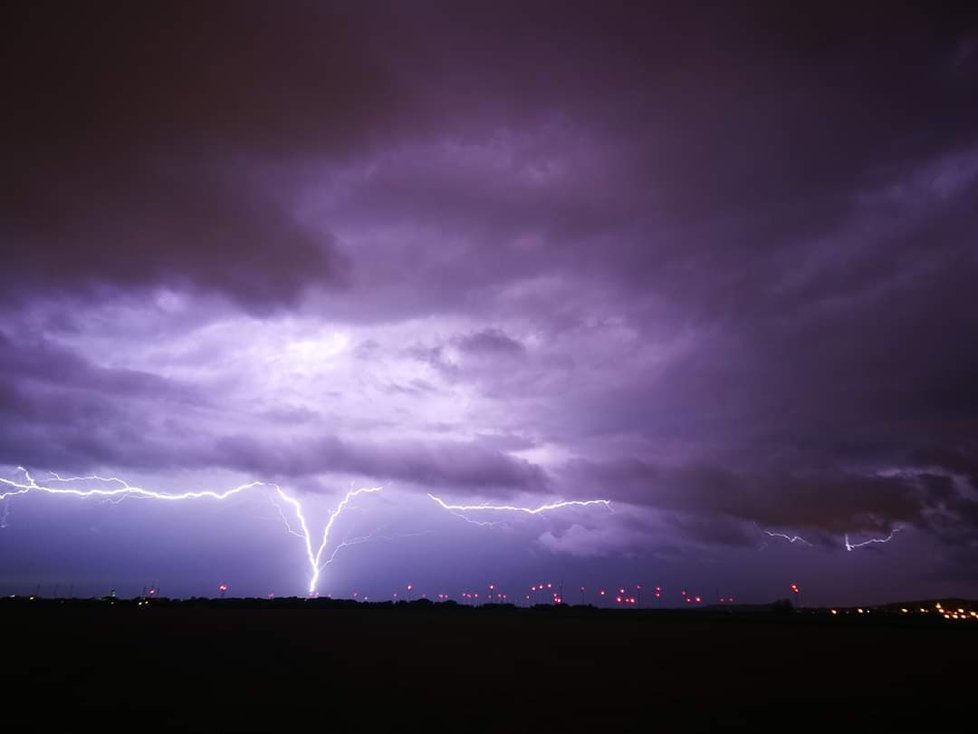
347 542
122 490
850 546
789 538
460 509
315 556
887 539
90 478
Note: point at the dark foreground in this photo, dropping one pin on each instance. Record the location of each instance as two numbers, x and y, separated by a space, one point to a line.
246 668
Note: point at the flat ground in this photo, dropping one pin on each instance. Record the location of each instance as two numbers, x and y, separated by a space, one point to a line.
249 668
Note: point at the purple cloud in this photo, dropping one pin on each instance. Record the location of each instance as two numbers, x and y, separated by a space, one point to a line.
713 264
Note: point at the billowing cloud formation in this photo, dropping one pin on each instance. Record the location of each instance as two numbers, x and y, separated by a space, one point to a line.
137 142
713 264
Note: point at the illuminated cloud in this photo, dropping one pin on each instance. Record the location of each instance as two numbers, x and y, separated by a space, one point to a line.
712 264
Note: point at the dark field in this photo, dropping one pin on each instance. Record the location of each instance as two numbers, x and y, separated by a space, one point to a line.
239 667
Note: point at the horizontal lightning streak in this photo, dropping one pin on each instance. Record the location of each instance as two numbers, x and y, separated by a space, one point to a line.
887 539
512 508
789 538
850 546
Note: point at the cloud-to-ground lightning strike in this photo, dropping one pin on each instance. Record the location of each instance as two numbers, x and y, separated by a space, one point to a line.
887 539
314 555
459 509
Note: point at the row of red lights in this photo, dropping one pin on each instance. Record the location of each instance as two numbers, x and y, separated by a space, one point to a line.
620 598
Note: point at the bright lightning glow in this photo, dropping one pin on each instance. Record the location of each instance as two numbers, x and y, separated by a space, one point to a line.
511 508
887 539
314 555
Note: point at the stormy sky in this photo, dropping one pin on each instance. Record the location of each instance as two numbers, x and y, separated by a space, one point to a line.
715 265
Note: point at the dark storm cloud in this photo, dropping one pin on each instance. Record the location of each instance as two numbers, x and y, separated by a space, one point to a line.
714 529
963 461
692 155
826 502
166 223
133 136
490 342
